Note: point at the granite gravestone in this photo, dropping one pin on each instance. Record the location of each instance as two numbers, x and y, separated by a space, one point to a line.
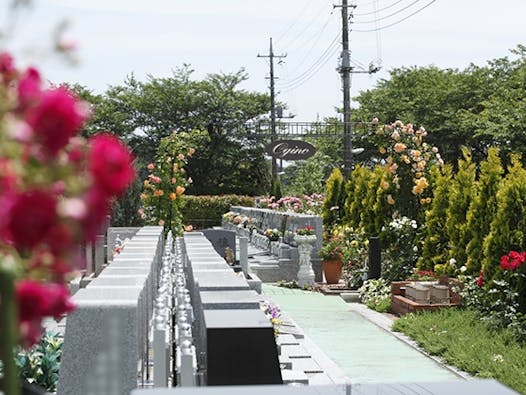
221 240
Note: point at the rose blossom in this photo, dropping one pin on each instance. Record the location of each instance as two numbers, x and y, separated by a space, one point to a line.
31 216
110 164
29 89
57 117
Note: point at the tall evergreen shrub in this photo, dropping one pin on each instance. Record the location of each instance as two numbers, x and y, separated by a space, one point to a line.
333 205
356 191
460 196
435 244
508 227
483 208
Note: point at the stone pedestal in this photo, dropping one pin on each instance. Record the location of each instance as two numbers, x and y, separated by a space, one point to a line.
305 272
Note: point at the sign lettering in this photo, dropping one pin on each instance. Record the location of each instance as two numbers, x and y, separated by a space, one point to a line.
290 149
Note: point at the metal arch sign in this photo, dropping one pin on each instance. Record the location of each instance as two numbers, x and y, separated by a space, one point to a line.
290 149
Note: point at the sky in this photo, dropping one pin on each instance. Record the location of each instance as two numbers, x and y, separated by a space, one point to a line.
116 38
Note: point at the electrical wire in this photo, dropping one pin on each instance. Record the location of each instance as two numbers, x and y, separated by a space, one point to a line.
312 74
298 18
390 15
322 59
378 10
318 37
395 23
288 44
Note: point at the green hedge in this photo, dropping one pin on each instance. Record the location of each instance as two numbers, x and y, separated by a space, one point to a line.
205 211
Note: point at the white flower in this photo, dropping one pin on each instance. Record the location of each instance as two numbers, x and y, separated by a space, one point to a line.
497 358
452 262
463 269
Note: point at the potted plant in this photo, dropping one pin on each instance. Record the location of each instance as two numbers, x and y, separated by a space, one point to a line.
272 234
332 253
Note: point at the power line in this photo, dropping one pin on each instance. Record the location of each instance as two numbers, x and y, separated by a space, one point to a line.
390 15
289 44
314 68
318 36
298 18
380 9
395 23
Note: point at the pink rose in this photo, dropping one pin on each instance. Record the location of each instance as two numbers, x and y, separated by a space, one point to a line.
30 216
28 89
110 164
57 117
7 67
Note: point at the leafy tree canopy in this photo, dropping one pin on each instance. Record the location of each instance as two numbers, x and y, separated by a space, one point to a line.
142 113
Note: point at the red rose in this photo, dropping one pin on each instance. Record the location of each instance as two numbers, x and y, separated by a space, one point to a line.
110 163
57 117
505 262
32 299
480 280
30 216
37 300
28 89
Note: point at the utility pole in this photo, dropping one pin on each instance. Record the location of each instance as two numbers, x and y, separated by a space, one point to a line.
345 71
271 57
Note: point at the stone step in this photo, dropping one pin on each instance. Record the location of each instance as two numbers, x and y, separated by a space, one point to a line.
294 377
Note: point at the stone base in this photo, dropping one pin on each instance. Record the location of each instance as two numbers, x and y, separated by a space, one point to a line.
401 305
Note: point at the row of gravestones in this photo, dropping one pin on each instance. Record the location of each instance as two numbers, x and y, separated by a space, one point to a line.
106 337
288 223
234 339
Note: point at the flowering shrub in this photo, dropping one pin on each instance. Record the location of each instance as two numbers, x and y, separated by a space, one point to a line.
376 294
408 158
502 300
355 249
306 231
399 248
55 194
167 182
272 234
306 204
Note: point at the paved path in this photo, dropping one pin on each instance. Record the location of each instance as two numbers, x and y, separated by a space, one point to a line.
364 351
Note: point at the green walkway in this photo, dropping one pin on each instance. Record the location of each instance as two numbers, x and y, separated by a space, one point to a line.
365 352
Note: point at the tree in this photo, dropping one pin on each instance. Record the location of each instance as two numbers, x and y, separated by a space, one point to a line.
435 244
460 196
356 192
508 226
476 107
333 204
483 208
232 161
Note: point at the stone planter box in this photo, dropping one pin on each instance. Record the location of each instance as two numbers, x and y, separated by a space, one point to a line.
418 293
439 294
407 297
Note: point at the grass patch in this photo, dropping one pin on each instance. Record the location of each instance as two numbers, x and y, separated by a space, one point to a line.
462 340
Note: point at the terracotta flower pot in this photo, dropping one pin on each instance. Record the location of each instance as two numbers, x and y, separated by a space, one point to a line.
332 271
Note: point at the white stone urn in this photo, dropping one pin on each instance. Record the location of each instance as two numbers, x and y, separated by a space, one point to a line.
305 272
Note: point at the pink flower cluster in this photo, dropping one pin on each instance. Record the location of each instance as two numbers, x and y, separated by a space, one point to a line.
513 260
55 188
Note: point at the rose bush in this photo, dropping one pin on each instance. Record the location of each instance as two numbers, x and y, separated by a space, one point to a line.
55 193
